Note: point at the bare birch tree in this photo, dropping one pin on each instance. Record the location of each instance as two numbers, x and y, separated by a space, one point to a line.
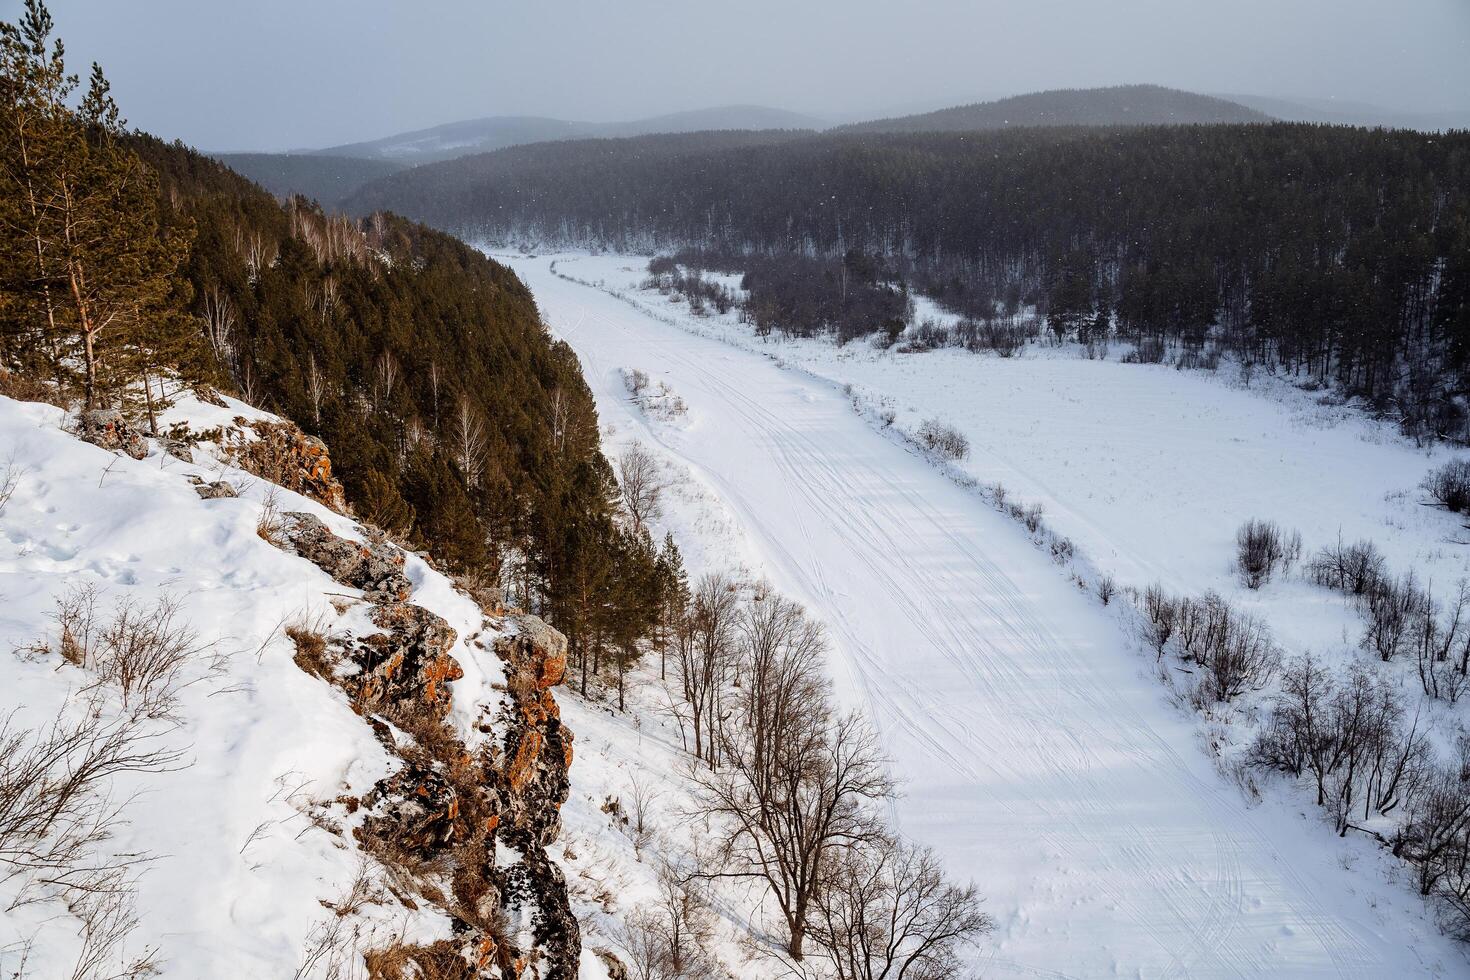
640 485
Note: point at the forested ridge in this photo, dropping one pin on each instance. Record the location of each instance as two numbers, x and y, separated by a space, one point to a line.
1115 105
133 268
1338 253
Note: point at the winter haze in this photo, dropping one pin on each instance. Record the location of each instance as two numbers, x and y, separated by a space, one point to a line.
275 75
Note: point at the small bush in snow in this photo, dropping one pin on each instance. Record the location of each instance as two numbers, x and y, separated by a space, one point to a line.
143 651
1031 517
945 440
1234 648
1450 485
1262 548
1353 569
9 480
636 381
1160 615
1106 588
1393 610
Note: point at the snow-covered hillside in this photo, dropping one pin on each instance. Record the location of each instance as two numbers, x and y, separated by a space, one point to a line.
1040 755
244 817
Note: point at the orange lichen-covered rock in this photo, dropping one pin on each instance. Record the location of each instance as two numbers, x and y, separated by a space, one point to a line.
407 665
523 765
280 452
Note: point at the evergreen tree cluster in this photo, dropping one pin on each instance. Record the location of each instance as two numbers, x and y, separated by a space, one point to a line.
89 292
1334 252
454 420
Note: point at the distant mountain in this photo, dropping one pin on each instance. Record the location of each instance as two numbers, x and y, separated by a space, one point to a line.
497 132
1337 112
458 139
1119 106
701 120
325 179
331 175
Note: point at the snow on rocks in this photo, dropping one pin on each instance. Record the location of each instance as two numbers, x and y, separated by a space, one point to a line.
259 850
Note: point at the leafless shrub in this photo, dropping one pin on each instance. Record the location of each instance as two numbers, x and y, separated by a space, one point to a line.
1391 609
270 526
1234 648
55 808
10 477
640 485
1062 549
1450 485
668 940
333 946
1349 736
887 911
1442 646
947 441
638 814
309 634
1106 587
108 918
1353 569
636 381
1031 517
1263 548
143 651
1160 614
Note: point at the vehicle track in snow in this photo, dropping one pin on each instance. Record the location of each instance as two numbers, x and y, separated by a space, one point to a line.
1038 755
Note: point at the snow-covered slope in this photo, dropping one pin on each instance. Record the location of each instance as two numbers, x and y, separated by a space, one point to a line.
241 840
1040 755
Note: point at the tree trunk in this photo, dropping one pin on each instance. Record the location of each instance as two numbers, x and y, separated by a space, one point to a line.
798 938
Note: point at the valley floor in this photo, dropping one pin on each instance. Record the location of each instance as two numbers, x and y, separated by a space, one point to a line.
1038 753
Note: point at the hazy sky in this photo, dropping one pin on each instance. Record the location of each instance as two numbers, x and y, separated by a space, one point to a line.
276 74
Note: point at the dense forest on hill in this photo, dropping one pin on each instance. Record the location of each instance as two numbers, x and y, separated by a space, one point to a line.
325 179
1343 254
1118 105
130 267
453 417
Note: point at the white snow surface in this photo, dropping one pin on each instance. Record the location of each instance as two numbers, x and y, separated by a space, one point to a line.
1038 752
238 873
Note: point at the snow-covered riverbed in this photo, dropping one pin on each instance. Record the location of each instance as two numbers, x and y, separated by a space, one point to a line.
1038 753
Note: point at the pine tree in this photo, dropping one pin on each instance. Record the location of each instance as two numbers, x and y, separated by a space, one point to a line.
672 597
119 264
37 137
92 268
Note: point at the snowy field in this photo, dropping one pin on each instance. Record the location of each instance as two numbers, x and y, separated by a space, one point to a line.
1038 751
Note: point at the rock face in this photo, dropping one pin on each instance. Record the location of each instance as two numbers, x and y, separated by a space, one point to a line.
408 663
281 453
106 427
482 817
216 490
376 567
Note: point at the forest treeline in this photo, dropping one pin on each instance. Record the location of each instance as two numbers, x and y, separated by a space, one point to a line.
131 269
1338 253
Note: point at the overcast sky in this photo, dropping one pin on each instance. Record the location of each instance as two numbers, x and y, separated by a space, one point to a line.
278 74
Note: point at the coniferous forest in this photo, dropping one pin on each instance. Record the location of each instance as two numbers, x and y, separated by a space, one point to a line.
1337 253
454 421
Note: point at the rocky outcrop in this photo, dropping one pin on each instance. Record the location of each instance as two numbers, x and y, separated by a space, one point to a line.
280 452
374 566
216 490
106 427
470 826
409 664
